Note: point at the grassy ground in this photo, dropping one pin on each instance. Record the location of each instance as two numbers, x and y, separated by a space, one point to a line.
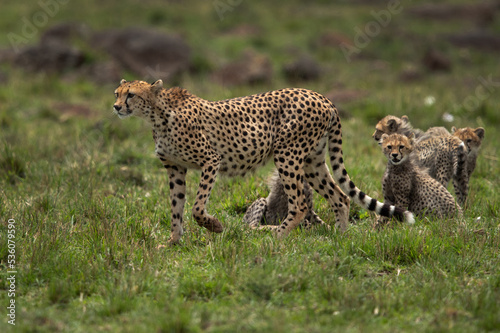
90 201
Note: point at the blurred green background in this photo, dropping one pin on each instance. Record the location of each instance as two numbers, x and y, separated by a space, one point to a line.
90 199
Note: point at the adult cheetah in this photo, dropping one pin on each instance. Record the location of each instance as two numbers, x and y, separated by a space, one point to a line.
234 136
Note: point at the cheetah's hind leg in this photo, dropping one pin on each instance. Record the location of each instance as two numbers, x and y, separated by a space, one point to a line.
321 181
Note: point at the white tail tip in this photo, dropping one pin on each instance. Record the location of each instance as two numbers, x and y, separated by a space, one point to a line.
409 218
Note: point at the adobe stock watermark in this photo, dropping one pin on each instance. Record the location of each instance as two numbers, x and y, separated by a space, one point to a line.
32 25
224 6
156 73
486 87
11 272
372 29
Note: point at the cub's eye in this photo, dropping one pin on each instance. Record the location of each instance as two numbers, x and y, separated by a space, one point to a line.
116 94
130 95
389 147
401 147
468 140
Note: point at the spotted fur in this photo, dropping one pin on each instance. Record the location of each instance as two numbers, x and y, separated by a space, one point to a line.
407 185
443 155
291 126
445 158
472 138
273 209
434 132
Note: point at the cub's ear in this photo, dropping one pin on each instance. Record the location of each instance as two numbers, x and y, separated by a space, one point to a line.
393 125
479 132
156 86
411 138
453 129
123 81
405 119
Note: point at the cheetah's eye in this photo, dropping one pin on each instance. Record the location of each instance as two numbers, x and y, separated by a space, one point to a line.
401 147
389 147
116 94
130 95
468 140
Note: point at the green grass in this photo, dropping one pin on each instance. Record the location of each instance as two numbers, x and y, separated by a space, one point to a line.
90 200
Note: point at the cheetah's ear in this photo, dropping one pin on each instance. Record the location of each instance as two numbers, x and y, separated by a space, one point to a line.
392 124
453 129
156 86
405 119
479 132
411 138
123 81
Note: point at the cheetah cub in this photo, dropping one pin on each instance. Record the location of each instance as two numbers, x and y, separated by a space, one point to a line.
442 154
407 185
445 158
472 138
274 209
392 124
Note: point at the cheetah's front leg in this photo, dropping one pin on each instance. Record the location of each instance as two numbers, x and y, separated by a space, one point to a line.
461 186
402 199
208 176
293 184
177 184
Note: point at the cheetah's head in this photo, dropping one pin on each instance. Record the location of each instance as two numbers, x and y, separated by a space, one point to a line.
135 98
471 137
396 147
389 125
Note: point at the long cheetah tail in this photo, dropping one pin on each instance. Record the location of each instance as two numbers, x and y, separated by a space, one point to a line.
348 186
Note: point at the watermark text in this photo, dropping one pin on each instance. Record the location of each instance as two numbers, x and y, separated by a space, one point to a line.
486 87
363 36
32 25
11 271
224 6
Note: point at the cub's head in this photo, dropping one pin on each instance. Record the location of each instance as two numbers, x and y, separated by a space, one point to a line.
390 125
472 138
396 147
135 98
